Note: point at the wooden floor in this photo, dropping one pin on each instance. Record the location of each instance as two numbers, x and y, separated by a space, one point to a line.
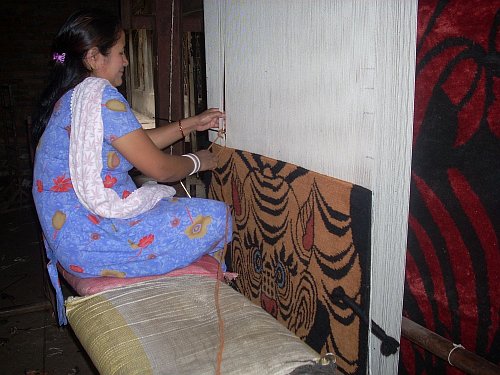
30 343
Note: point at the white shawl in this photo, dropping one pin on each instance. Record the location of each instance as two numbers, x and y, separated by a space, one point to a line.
85 160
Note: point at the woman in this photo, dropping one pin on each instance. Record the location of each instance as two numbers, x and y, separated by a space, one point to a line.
95 221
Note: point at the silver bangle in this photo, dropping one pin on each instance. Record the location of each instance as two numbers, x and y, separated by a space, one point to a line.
196 162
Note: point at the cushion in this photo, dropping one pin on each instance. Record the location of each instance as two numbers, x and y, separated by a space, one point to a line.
206 265
170 326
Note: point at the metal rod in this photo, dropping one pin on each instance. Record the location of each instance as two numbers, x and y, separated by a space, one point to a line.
443 348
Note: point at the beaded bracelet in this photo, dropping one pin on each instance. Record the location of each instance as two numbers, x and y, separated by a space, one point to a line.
180 128
196 161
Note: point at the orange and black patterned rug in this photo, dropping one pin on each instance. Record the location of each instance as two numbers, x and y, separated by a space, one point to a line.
299 238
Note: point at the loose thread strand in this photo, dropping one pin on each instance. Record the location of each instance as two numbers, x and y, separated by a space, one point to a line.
217 300
220 134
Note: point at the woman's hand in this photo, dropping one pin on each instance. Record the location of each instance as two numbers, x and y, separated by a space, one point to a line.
164 136
208 160
208 119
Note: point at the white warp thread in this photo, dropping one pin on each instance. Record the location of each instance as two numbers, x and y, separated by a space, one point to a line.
85 160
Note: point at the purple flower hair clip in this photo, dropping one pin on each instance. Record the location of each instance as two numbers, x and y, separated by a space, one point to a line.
59 57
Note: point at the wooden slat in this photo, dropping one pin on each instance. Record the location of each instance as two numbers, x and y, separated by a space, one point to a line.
25 309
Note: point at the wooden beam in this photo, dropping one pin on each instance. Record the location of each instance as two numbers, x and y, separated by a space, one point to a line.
143 22
193 22
125 14
443 348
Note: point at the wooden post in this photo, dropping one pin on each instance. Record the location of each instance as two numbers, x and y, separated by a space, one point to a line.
460 358
168 69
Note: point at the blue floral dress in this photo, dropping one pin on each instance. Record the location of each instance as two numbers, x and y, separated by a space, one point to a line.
173 234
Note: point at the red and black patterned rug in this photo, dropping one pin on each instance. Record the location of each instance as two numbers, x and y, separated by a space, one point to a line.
453 258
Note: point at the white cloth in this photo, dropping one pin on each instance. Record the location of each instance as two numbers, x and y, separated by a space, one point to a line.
85 160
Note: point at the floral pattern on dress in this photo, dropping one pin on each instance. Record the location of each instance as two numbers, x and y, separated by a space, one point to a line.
171 235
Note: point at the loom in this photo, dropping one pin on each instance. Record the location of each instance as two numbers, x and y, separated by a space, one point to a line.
343 99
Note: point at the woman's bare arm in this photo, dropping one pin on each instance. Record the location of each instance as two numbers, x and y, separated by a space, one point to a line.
138 148
166 135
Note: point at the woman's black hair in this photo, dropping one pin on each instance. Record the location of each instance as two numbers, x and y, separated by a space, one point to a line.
82 31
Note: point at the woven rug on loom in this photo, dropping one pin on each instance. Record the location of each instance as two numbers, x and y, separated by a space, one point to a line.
453 257
299 235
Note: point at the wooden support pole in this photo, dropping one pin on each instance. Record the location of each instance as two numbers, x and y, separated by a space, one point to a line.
168 90
460 358
168 68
